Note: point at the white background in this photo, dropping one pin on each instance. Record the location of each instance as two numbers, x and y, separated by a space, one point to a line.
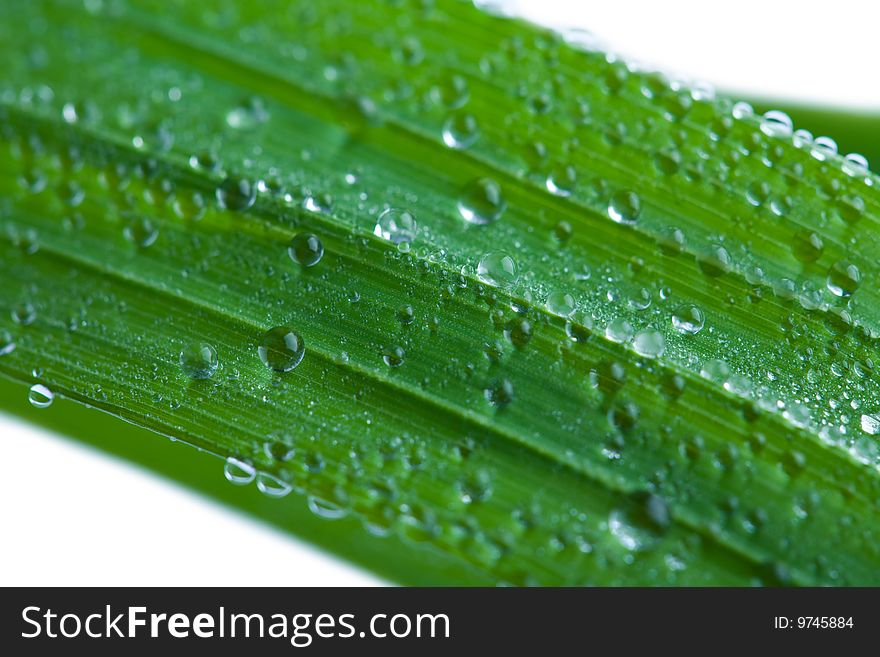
818 52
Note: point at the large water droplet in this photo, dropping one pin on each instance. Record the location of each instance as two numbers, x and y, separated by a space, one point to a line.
807 245
619 330
396 225
497 269
24 314
649 343
481 202
843 279
460 131
305 249
562 180
624 207
688 319
281 349
272 486
7 342
236 194
141 232
40 396
247 116
199 360
640 528
238 472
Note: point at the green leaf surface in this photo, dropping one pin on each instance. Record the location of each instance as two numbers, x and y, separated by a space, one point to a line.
608 334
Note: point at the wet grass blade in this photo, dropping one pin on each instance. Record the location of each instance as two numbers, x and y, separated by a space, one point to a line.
442 273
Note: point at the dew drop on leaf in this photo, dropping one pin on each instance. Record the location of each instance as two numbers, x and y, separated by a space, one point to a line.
236 194
306 249
396 225
460 131
498 269
272 486
624 207
649 343
281 349
238 472
843 279
481 202
688 319
40 396
7 342
141 232
198 360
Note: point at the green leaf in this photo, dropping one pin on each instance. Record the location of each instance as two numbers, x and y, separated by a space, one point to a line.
533 315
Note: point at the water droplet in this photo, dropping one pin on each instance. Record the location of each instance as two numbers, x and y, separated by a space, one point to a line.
649 343
619 330
24 314
7 343
499 393
141 232
688 319
40 396
199 360
871 424
640 528
460 131
248 115
560 303
851 208
476 488
396 225
807 246
272 486
394 356
715 262
562 180
481 202
326 510
624 207
776 124
281 349
238 472
305 249
497 269
843 279
236 194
